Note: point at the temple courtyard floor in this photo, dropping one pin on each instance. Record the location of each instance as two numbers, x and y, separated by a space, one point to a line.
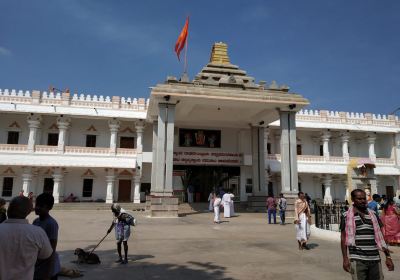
192 247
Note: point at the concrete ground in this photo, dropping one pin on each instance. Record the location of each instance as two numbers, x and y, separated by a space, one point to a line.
192 247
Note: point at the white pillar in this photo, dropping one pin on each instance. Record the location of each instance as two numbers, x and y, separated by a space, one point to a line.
154 158
27 180
139 136
326 135
136 196
327 183
160 162
169 155
63 124
114 127
345 145
34 122
110 179
289 175
58 190
266 175
371 146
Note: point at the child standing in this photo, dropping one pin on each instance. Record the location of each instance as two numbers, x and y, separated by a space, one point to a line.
49 268
122 230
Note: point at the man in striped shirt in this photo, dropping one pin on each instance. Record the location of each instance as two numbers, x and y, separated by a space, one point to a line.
360 251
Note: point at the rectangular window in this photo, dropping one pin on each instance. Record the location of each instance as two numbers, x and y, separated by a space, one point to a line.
8 183
52 139
87 188
298 149
321 150
48 185
13 137
90 140
127 142
299 187
268 148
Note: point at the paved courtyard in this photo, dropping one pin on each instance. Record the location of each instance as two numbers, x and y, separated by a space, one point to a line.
192 247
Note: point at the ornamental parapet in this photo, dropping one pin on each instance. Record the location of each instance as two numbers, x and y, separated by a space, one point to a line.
336 117
74 100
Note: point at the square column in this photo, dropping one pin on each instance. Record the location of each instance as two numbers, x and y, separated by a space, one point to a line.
255 160
169 164
154 156
288 152
326 135
136 193
159 164
327 180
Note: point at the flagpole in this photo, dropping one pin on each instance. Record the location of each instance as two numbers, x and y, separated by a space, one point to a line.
185 64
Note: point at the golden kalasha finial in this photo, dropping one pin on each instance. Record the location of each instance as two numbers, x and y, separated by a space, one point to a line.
219 54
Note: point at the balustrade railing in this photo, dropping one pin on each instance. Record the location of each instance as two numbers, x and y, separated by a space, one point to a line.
13 148
327 216
86 150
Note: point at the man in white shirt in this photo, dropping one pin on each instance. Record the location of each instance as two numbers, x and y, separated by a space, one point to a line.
226 200
21 243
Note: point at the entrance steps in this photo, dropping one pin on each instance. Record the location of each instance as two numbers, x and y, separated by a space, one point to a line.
98 206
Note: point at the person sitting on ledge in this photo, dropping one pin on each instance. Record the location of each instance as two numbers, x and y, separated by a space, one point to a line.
71 198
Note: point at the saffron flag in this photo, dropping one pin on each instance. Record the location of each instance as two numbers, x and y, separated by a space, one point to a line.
180 43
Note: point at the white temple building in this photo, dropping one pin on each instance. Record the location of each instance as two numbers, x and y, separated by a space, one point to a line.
220 130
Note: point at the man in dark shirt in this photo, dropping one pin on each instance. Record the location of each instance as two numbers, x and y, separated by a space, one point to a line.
362 259
49 268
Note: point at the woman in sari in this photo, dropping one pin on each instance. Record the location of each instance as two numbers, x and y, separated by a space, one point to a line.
391 221
302 221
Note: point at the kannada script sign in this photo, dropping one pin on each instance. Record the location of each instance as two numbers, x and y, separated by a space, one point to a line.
207 158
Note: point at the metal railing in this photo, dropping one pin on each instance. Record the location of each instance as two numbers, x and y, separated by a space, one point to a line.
327 216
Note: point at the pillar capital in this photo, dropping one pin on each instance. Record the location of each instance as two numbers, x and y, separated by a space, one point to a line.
114 125
325 135
63 122
34 121
371 137
139 125
345 136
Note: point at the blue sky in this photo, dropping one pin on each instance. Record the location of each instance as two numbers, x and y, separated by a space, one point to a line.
342 55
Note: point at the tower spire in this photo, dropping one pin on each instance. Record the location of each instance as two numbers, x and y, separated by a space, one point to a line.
219 54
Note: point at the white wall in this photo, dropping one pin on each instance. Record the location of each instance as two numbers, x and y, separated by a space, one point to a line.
79 128
7 120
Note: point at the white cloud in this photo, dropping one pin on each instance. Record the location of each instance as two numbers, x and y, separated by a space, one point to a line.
4 51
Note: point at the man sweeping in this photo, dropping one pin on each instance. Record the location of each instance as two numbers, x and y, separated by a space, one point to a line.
122 222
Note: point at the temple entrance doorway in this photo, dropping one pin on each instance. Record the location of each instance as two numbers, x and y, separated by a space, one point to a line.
204 179
124 191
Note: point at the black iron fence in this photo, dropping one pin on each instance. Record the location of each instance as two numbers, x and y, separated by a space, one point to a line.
327 216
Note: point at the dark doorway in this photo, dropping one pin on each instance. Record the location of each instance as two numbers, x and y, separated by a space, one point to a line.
205 179
124 191
52 139
13 137
48 185
389 191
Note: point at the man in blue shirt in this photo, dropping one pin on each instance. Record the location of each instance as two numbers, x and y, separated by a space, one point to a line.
374 205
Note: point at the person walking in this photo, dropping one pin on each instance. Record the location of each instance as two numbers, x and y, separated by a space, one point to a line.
374 204
21 244
271 208
217 205
362 239
211 201
47 269
282 203
391 222
302 220
121 223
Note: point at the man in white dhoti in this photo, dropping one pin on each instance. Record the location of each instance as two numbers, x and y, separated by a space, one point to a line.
226 200
211 201
190 193
232 206
216 205
302 221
